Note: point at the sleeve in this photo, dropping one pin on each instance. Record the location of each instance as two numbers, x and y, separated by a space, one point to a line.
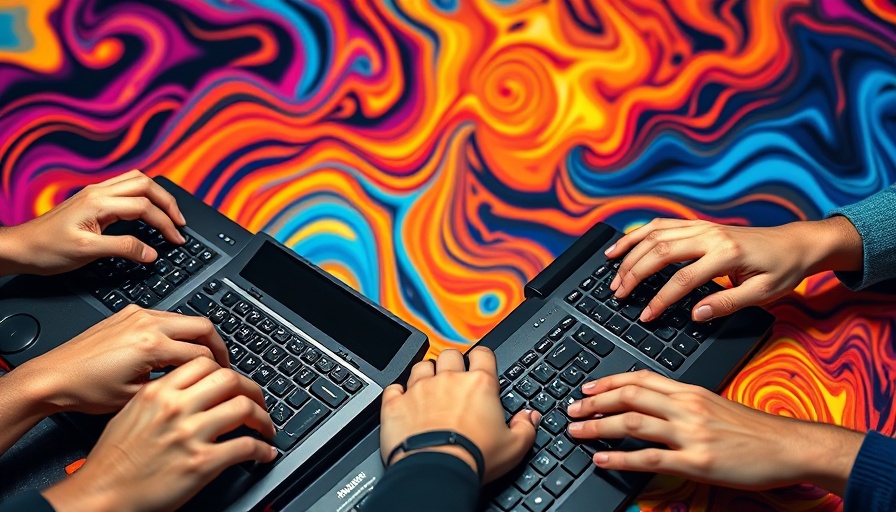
431 481
32 501
875 220
872 482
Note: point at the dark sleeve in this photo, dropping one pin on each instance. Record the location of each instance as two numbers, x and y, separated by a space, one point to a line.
875 220
872 482
430 481
32 501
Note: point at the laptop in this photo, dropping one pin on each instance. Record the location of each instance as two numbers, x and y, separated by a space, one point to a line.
321 352
570 330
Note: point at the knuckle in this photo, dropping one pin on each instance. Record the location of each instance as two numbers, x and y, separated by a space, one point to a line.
684 277
628 395
662 249
654 235
632 422
243 406
652 458
726 303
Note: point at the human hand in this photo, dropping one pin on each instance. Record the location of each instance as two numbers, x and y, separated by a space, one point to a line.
709 438
160 450
762 263
70 235
99 370
444 396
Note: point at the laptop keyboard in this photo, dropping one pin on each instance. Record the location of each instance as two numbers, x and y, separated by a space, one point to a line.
548 377
117 282
301 384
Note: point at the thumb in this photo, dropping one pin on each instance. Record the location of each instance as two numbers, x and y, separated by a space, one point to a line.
522 428
725 302
125 246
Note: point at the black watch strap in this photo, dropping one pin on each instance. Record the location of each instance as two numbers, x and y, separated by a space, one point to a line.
440 438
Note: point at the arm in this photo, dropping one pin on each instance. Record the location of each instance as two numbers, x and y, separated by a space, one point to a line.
99 370
871 486
161 449
70 235
709 438
875 221
468 404
762 263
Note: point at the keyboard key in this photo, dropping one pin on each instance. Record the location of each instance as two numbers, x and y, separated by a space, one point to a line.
586 305
254 316
544 345
638 366
557 388
147 300
263 374
567 323
573 296
330 393
289 366
280 413
338 374
311 355
602 292
651 347
700 331
325 364
613 303
295 345
544 462
352 384
600 271
212 287
230 324
558 481
684 344
586 361
587 283
670 359
267 326
115 301
601 346
274 354
601 314
563 353
300 425
192 266
515 371
528 480
527 387
561 447
577 462
207 255
229 299
676 319
634 335
177 256
195 247
556 333
554 422
631 311
529 358
201 303
257 344
543 373
543 402
305 376
243 333
542 438
269 400
298 398
177 276
617 325
503 382
136 291
512 401
665 333
162 266
280 334
584 334
218 315
508 499
280 386
242 308
249 363
236 353
572 375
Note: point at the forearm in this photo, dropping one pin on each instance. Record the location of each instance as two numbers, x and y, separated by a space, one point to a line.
21 406
829 244
823 454
12 251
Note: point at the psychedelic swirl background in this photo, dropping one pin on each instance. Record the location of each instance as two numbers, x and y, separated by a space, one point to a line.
436 154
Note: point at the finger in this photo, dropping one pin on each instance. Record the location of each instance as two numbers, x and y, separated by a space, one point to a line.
657 242
483 359
523 426
178 353
683 282
195 329
221 386
121 177
237 450
660 255
422 370
654 460
132 208
144 186
624 244
123 246
643 378
752 292
631 397
236 411
392 392
450 360
188 373
631 424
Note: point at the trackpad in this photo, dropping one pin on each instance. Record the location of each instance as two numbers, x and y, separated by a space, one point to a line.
45 308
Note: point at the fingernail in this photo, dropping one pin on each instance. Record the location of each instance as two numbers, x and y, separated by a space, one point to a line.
574 407
615 282
181 238
143 254
619 291
534 417
574 427
703 313
610 249
588 386
646 314
273 452
183 220
600 458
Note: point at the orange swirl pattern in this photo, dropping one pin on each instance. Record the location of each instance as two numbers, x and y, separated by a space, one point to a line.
437 154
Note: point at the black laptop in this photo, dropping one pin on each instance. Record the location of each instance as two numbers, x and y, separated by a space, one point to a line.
570 329
321 352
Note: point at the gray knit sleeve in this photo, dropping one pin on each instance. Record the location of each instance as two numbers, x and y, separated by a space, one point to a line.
875 220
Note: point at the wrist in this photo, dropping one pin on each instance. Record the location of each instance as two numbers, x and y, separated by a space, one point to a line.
828 455
75 494
831 244
36 389
454 450
13 251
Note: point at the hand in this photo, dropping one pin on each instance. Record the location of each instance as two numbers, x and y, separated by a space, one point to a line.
443 396
762 263
102 368
160 449
70 235
709 438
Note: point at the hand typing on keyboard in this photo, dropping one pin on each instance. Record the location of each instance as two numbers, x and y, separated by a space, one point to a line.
71 234
444 396
161 448
709 438
762 263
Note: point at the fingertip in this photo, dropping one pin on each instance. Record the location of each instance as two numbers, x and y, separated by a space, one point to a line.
148 254
610 250
601 458
535 418
703 313
273 454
